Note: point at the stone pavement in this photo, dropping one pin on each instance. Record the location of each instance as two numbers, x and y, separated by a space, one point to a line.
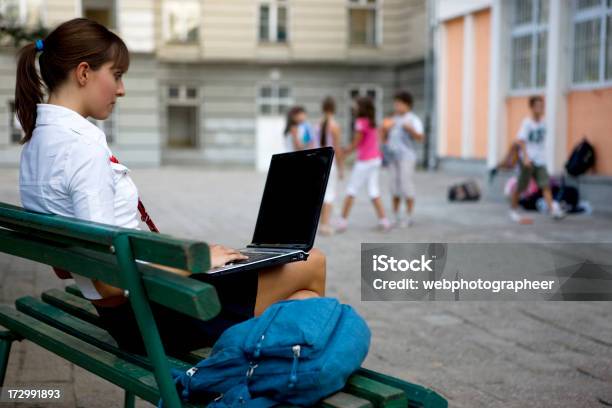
477 354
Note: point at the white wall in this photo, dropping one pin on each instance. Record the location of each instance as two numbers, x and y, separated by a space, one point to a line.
269 140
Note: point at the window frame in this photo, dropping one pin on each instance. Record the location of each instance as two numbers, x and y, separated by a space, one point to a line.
274 100
182 98
166 35
273 7
533 29
603 12
377 7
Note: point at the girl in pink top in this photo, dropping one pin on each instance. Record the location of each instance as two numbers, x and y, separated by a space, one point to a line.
367 167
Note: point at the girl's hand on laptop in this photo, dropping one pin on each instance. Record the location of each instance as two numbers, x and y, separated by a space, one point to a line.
220 256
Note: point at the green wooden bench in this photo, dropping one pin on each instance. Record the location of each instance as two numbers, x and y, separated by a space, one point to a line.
67 325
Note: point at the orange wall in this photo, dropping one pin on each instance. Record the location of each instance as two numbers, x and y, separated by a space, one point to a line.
482 54
590 114
454 80
517 108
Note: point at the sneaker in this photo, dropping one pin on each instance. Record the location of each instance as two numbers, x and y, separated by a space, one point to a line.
520 219
384 225
397 221
341 225
326 230
409 221
557 212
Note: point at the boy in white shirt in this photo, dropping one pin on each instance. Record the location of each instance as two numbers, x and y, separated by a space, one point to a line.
400 133
532 141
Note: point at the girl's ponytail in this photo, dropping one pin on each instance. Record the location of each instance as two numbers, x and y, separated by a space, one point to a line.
28 90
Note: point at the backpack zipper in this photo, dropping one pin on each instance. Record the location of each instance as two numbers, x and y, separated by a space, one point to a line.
294 366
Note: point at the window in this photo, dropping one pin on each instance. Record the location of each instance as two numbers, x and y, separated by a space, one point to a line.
15 129
529 43
182 115
182 93
181 21
273 26
25 13
274 99
371 91
100 11
191 93
363 22
592 41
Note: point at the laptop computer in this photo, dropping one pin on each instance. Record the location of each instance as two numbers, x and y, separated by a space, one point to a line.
289 211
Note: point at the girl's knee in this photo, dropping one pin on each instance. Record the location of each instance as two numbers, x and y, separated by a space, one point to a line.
317 259
318 267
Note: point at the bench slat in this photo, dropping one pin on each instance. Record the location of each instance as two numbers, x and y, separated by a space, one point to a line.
381 395
418 396
127 375
193 256
344 400
189 296
83 330
157 248
74 305
15 217
74 290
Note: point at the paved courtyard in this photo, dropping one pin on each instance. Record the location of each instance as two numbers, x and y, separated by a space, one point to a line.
476 354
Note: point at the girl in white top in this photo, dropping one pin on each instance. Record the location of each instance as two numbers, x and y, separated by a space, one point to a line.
66 168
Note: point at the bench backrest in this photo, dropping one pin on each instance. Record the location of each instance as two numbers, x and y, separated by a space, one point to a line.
112 254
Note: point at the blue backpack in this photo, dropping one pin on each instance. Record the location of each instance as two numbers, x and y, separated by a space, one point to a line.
297 352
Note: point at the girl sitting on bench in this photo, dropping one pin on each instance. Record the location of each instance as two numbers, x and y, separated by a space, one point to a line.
68 169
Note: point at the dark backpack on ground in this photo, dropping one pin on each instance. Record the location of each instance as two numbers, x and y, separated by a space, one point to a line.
581 159
296 353
568 196
468 191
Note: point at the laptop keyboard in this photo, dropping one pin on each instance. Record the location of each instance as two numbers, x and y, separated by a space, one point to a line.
253 257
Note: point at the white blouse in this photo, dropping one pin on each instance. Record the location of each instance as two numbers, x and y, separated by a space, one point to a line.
66 170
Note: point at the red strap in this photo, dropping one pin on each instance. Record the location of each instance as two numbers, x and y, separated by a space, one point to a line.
144 216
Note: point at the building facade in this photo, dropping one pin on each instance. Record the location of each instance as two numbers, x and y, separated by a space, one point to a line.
204 72
494 54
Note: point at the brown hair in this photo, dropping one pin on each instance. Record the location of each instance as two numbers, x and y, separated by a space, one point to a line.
327 106
75 41
405 97
534 99
291 122
365 109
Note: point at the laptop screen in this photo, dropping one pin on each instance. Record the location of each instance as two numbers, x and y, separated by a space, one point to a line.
292 198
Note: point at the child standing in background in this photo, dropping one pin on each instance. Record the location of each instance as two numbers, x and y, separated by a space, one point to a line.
531 142
367 167
298 133
400 133
330 135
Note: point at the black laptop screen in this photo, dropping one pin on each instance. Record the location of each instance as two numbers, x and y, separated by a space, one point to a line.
292 198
